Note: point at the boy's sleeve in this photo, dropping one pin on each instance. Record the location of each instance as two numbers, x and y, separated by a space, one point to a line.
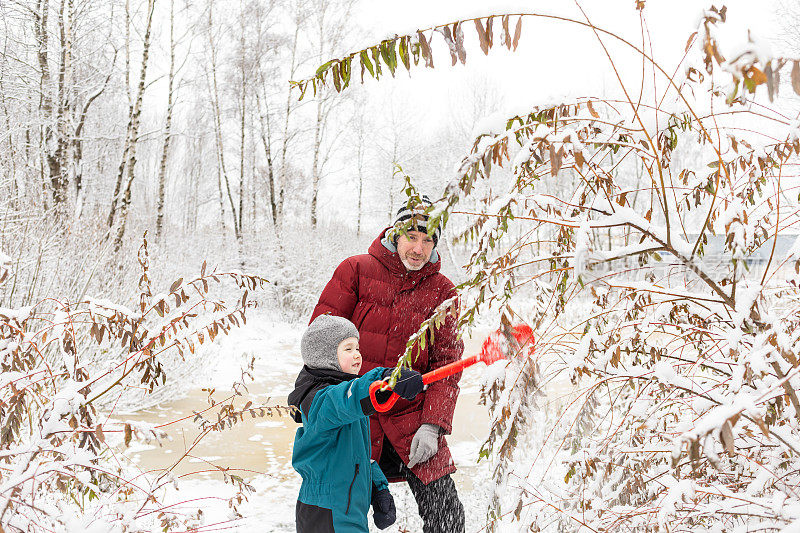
378 477
343 403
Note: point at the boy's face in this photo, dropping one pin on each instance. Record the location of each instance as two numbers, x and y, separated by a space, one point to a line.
349 355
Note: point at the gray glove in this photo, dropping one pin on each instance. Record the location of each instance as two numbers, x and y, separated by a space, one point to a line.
424 445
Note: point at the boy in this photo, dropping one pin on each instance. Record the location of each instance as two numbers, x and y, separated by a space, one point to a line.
332 448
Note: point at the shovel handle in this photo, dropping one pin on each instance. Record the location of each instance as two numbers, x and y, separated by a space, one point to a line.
381 407
434 375
489 354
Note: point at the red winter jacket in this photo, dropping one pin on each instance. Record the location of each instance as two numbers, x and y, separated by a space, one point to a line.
388 303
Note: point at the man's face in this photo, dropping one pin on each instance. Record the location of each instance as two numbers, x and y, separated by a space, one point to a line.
414 249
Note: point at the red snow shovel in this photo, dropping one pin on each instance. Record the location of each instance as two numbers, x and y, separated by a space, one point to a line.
494 348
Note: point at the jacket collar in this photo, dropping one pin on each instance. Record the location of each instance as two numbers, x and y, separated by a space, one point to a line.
310 380
388 257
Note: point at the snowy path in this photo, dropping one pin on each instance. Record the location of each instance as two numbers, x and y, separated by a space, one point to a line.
259 450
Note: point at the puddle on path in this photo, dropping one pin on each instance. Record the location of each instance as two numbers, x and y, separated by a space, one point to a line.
257 446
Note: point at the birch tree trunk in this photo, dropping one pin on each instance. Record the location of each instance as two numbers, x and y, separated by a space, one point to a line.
360 140
128 164
57 160
214 90
243 126
121 169
49 142
162 167
290 107
315 170
266 143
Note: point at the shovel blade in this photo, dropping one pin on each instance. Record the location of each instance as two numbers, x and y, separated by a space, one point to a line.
498 345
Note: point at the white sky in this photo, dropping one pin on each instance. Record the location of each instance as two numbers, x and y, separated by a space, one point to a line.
555 60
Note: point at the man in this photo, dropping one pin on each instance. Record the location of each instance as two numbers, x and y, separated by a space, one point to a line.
387 294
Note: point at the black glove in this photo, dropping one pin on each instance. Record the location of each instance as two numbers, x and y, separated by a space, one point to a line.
409 382
383 508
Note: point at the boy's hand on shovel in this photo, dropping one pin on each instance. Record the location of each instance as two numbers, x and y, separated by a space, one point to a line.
409 383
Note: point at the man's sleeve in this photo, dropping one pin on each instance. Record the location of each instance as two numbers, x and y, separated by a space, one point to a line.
340 295
441 396
343 403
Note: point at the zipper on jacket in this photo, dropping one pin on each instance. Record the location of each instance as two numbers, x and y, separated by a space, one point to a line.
350 490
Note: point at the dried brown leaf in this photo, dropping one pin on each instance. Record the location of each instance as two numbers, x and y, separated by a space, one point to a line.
726 436
517 33
425 49
694 451
448 38
796 77
458 36
689 41
755 75
484 40
772 86
555 159
579 160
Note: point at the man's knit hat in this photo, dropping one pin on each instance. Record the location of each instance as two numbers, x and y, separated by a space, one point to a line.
419 222
321 339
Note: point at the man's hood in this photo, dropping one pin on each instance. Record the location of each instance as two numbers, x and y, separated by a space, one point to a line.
380 249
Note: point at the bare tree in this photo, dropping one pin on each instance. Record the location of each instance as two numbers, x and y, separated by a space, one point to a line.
126 171
330 22
162 168
289 135
358 127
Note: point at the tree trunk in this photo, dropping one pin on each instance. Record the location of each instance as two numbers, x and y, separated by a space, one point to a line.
77 146
266 141
222 171
315 171
284 178
359 210
57 163
243 124
162 168
121 170
133 132
51 144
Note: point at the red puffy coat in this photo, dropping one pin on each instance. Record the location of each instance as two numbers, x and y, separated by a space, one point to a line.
388 303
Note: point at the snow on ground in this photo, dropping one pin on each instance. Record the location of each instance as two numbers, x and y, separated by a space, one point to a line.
275 346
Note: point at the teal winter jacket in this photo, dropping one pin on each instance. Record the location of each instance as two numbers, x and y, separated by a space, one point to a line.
332 450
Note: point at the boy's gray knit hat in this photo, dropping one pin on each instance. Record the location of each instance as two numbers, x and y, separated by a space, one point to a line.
321 339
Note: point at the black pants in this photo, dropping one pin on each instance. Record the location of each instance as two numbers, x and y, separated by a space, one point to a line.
439 507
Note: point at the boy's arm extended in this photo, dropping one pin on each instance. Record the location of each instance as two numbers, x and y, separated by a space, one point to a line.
343 403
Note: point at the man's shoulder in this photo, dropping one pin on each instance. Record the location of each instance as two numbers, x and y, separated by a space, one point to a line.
358 262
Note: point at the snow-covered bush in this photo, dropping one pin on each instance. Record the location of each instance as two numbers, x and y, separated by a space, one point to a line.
302 262
64 366
663 300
